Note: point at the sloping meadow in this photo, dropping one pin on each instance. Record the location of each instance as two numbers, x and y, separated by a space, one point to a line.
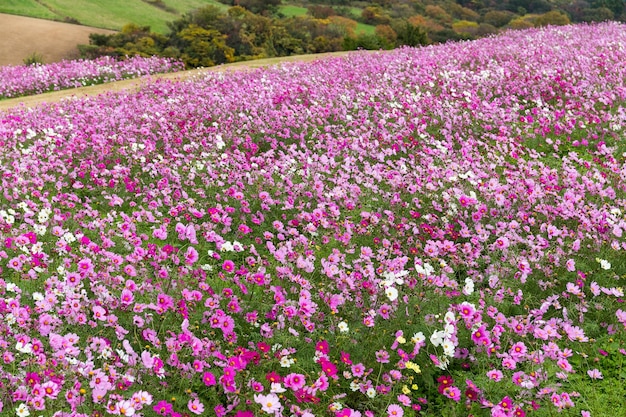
433 231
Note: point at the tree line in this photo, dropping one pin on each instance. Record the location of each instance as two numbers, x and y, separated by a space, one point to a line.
254 29
209 36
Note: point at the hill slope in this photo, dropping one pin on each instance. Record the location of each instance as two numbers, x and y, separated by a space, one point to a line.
110 14
23 36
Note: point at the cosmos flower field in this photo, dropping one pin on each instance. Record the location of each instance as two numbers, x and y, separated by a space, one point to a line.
24 80
433 231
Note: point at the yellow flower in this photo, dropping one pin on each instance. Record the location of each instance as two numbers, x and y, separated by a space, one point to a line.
413 366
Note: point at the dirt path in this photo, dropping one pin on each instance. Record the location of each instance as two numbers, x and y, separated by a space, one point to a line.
22 36
56 96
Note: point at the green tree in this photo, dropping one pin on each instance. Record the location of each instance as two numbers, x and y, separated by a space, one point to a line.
600 14
439 14
387 33
616 6
204 47
554 18
410 35
374 15
498 18
258 6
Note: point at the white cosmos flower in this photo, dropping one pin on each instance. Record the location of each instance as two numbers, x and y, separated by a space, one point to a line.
277 388
418 338
391 293
448 348
22 410
343 327
437 338
469 286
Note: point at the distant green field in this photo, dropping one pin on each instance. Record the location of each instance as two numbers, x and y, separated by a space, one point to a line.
108 14
363 28
289 10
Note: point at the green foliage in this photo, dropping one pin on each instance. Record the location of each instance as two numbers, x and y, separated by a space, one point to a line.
366 41
438 13
321 12
204 47
34 59
411 35
374 15
498 18
463 13
600 14
465 27
553 18
616 6
255 6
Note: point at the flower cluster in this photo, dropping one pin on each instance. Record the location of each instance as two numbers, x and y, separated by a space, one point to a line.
25 80
408 233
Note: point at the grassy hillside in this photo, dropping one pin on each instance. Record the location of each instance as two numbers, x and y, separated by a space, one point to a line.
109 14
114 14
26 8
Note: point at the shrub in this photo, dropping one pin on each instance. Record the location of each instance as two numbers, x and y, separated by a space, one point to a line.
33 59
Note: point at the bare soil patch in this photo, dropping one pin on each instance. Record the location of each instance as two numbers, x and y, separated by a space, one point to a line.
22 36
56 96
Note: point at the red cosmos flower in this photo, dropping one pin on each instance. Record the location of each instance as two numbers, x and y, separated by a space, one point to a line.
274 377
445 380
519 412
471 394
263 347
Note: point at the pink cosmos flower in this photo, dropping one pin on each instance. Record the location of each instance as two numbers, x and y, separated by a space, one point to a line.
565 365
452 392
191 255
270 403
195 406
294 381
163 408
209 379
495 375
595 374
125 408
228 265
329 368
518 350
394 410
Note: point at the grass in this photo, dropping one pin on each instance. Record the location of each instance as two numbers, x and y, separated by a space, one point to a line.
291 11
113 14
27 8
106 14
365 29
